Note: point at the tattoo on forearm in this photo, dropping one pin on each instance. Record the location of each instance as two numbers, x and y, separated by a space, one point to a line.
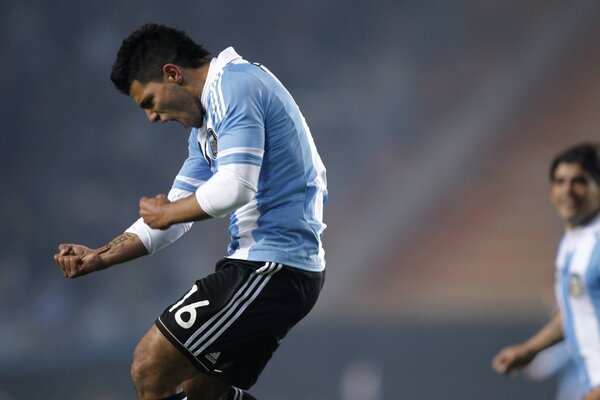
120 241
103 249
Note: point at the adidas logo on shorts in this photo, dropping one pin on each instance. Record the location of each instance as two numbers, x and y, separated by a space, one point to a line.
213 357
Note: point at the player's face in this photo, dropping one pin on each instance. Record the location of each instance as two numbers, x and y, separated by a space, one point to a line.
167 101
575 194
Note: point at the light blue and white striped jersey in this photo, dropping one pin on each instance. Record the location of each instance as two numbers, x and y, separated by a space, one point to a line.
253 124
578 293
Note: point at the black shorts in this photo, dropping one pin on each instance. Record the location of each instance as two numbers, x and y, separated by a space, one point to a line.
230 322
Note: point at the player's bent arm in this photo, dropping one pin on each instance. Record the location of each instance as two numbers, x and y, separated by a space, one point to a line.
549 334
519 355
219 196
156 239
224 192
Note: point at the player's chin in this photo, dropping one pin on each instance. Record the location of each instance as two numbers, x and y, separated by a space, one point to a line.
197 123
568 213
186 124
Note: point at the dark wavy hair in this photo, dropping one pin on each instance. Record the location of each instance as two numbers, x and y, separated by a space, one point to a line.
144 53
585 154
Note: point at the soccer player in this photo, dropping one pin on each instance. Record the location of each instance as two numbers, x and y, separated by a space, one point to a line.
575 194
252 158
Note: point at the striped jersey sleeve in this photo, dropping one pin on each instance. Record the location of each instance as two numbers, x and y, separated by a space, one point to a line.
239 119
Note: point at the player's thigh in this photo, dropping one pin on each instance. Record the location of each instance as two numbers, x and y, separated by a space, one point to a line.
156 358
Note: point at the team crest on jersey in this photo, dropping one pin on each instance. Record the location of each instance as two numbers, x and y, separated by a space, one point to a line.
212 143
576 287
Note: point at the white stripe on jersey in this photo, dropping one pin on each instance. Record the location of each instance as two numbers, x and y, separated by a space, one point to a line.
247 217
213 102
585 319
216 99
238 303
236 150
220 97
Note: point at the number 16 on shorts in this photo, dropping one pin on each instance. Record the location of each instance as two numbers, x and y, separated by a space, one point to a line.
188 309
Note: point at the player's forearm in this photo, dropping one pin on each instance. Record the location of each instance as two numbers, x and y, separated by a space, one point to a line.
184 210
125 247
550 334
159 213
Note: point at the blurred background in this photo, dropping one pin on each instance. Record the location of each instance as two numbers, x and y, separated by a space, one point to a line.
436 120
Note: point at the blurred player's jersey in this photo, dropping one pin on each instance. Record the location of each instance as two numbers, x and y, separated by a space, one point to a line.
578 292
253 124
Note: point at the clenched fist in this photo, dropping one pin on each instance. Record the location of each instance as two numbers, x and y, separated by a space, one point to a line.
154 211
76 260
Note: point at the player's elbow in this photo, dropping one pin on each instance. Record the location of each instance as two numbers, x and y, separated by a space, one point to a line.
246 196
223 194
240 196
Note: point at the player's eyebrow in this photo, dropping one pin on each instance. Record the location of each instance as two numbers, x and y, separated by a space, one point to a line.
148 102
575 179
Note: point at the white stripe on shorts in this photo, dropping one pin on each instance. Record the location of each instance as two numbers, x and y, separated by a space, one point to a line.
218 323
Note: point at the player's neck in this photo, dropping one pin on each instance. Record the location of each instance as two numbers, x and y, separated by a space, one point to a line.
196 77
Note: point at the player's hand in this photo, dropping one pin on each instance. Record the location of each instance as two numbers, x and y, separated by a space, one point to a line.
153 211
511 358
77 260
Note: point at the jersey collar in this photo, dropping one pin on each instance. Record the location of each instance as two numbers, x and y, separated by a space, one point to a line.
215 70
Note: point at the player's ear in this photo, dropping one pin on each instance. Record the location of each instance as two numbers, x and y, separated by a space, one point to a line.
172 73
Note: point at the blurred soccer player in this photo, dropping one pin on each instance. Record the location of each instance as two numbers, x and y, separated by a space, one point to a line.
251 157
575 194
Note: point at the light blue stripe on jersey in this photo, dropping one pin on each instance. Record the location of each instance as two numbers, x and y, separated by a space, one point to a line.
284 225
179 184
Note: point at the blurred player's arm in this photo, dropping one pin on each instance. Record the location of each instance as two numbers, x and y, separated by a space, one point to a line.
519 355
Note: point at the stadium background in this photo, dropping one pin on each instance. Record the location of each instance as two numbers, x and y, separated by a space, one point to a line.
436 121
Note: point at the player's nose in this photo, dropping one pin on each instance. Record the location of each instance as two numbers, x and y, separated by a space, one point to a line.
152 116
